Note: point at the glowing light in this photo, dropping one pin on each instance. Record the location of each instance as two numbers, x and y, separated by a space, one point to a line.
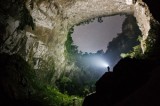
105 64
99 62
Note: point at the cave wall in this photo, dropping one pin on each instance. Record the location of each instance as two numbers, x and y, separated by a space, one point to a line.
42 44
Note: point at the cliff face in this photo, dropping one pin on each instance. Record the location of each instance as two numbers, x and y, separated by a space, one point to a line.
37 29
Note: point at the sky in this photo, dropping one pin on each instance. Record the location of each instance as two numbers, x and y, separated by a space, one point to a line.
96 36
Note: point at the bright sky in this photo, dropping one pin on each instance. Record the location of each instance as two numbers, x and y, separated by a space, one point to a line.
96 36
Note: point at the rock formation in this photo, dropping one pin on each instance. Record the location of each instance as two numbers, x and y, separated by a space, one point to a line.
52 20
36 30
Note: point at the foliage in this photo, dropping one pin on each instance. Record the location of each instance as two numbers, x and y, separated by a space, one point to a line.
99 19
136 53
21 80
86 22
50 96
81 81
125 41
71 49
152 42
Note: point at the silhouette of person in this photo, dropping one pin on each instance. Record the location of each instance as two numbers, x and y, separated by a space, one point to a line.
108 69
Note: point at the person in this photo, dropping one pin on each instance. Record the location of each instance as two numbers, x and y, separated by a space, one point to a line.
108 69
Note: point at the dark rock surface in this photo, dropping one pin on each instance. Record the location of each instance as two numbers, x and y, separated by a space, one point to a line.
133 82
147 95
130 81
154 8
16 82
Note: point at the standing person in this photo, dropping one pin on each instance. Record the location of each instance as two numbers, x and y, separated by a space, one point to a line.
108 69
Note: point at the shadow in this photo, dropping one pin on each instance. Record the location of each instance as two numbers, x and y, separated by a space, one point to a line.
127 77
16 82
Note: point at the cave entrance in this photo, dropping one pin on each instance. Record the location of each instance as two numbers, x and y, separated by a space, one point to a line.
122 32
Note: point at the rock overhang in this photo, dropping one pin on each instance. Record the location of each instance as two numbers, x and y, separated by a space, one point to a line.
54 18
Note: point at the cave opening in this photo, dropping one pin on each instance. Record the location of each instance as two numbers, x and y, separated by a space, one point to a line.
125 37
39 68
113 36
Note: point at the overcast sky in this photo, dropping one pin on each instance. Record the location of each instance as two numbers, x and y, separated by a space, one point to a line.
95 36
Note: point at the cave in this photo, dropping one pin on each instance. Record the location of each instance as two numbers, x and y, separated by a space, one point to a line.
34 55
52 20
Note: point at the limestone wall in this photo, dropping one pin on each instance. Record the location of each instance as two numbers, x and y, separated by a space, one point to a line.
44 46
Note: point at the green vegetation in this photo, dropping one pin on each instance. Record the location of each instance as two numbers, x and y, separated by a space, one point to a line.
125 42
99 19
71 50
151 44
79 82
50 96
136 53
82 81
20 84
86 22
19 79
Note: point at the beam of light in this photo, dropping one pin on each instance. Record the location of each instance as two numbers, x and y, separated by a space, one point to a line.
99 62
104 64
